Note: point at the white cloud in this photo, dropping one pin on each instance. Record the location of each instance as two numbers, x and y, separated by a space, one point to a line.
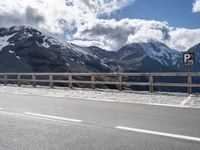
56 16
81 20
196 6
100 7
183 39
114 34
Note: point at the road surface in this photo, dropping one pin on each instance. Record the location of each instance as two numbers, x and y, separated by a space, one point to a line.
37 122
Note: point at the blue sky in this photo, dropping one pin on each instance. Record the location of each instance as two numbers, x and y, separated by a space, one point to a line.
178 13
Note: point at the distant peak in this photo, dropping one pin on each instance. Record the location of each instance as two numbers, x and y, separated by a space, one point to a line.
20 27
195 48
151 43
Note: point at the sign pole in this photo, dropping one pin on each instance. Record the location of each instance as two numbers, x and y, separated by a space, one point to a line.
189 62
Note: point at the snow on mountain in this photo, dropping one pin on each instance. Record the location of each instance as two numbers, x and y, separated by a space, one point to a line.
4 41
43 53
149 57
38 52
160 52
196 49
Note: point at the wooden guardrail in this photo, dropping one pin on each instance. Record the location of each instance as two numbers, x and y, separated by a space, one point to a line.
69 78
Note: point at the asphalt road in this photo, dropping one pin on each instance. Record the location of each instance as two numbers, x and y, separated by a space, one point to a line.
36 122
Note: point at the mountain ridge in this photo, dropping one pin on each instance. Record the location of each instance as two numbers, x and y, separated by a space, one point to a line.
37 52
41 53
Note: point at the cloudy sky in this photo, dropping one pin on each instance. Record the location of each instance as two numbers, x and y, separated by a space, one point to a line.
109 24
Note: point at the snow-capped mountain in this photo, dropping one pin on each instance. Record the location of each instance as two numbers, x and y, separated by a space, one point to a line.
100 53
196 50
149 57
141 57
24 49
160 52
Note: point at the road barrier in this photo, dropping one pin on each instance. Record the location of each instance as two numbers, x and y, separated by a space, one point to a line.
93 79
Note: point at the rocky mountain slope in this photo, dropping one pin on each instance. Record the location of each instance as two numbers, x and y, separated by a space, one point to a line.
196 49
142 57
24 49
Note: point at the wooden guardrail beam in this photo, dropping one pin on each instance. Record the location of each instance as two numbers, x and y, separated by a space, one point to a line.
8 77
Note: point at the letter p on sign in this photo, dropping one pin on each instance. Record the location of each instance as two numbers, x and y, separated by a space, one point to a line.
189 59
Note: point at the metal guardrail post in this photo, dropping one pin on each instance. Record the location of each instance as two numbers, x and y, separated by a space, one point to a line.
19 79
189 80
120 80
93 86
151 82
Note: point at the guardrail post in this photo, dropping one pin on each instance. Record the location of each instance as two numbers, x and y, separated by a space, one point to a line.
33 79
70 81
151 82
120 80
189 80
93 86
19 79
5 79
51 81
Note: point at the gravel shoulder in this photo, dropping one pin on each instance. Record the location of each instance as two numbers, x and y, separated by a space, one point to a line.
163 99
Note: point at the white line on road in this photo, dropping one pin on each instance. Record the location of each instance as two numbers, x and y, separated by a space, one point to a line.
52 117
177 136
184 102
47 119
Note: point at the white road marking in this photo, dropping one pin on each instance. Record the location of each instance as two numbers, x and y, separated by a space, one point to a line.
52 117
184 102
46 119
177 136
1 108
